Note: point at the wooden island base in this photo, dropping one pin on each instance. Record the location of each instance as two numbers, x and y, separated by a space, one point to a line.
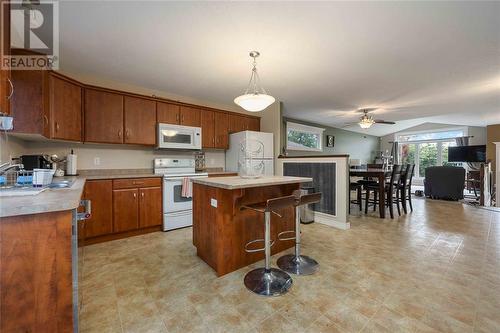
220 233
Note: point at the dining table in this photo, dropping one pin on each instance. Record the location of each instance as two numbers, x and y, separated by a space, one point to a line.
381 175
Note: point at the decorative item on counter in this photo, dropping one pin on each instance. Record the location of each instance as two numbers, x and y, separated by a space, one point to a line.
71 164
250 159
199 160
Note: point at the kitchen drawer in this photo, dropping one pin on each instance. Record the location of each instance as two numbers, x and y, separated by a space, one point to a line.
136 182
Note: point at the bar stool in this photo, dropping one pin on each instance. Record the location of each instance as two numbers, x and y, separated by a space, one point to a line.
297 263
268 281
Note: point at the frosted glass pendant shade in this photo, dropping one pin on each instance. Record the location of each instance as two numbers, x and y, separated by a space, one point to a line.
254 102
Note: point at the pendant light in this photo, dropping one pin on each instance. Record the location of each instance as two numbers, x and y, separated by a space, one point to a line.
255 98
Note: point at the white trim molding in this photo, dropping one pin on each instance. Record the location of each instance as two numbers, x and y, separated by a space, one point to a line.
340 219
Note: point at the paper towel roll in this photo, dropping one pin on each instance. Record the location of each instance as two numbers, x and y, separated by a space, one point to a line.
71 165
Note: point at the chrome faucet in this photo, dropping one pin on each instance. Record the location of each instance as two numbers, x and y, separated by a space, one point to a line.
8 166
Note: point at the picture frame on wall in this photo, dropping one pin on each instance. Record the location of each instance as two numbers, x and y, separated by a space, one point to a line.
330 141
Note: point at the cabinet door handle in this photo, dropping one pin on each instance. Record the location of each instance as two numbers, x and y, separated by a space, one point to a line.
135 195
182 118
11 88
57 126
137 183
142 194
177 118
120 133
127 132
46 119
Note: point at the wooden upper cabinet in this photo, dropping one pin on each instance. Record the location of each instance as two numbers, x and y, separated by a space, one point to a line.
140 120
65 100
190 116
103 116
150 207
207 129
125 210
253 124
221 121
237 123
100 193
168 113
28 103
6 89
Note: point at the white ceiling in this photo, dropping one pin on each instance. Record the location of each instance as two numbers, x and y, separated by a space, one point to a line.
417 61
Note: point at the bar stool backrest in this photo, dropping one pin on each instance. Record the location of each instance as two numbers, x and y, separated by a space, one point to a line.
281 202
309 199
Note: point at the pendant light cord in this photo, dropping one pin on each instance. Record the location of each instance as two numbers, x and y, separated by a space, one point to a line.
254 82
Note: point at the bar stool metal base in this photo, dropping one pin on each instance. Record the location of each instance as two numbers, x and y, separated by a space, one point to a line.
271 282
300 265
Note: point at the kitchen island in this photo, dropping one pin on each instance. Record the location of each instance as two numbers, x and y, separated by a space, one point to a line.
221 229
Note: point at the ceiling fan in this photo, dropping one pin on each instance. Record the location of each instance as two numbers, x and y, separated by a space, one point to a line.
366 120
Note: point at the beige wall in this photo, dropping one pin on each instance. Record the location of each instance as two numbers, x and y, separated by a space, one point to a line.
110 156
270 122
492 135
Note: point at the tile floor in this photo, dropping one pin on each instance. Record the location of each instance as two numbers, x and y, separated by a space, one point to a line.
434 270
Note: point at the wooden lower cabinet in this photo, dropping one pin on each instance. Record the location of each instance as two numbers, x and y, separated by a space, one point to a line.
100 194
150 207
123 208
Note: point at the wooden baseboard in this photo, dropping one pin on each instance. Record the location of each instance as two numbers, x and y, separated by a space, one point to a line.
110 237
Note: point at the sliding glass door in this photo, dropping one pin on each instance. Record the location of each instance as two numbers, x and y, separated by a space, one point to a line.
425 154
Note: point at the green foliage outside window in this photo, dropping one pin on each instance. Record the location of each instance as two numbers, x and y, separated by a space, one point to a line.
304 139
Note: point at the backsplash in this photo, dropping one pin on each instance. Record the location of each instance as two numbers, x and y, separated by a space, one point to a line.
99 156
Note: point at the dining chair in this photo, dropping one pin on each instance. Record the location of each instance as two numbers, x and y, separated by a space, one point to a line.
391 192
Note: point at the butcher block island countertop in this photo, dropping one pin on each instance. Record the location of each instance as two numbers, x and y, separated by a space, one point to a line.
221 228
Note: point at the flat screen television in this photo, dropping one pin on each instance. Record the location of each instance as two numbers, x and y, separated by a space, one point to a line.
467 154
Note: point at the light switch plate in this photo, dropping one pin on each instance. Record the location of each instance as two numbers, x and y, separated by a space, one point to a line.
213 202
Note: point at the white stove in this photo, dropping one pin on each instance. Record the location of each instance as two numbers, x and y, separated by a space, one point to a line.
177 209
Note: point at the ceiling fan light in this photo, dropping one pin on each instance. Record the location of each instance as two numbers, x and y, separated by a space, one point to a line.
366 123
254 102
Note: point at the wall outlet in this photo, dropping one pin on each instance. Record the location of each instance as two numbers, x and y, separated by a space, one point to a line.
213 202
97 161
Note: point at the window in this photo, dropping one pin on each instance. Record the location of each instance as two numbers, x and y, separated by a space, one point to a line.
427 149
303 137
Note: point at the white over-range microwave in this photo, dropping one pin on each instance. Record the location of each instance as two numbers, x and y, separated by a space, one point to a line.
179 137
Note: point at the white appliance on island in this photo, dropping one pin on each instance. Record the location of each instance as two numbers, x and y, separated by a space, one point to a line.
177 209
233 153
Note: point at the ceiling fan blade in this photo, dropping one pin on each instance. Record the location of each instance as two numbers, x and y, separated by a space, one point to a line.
366 110
379 121
349 125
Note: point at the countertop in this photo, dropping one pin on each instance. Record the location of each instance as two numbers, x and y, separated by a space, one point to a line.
236 182
117 173
50 200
